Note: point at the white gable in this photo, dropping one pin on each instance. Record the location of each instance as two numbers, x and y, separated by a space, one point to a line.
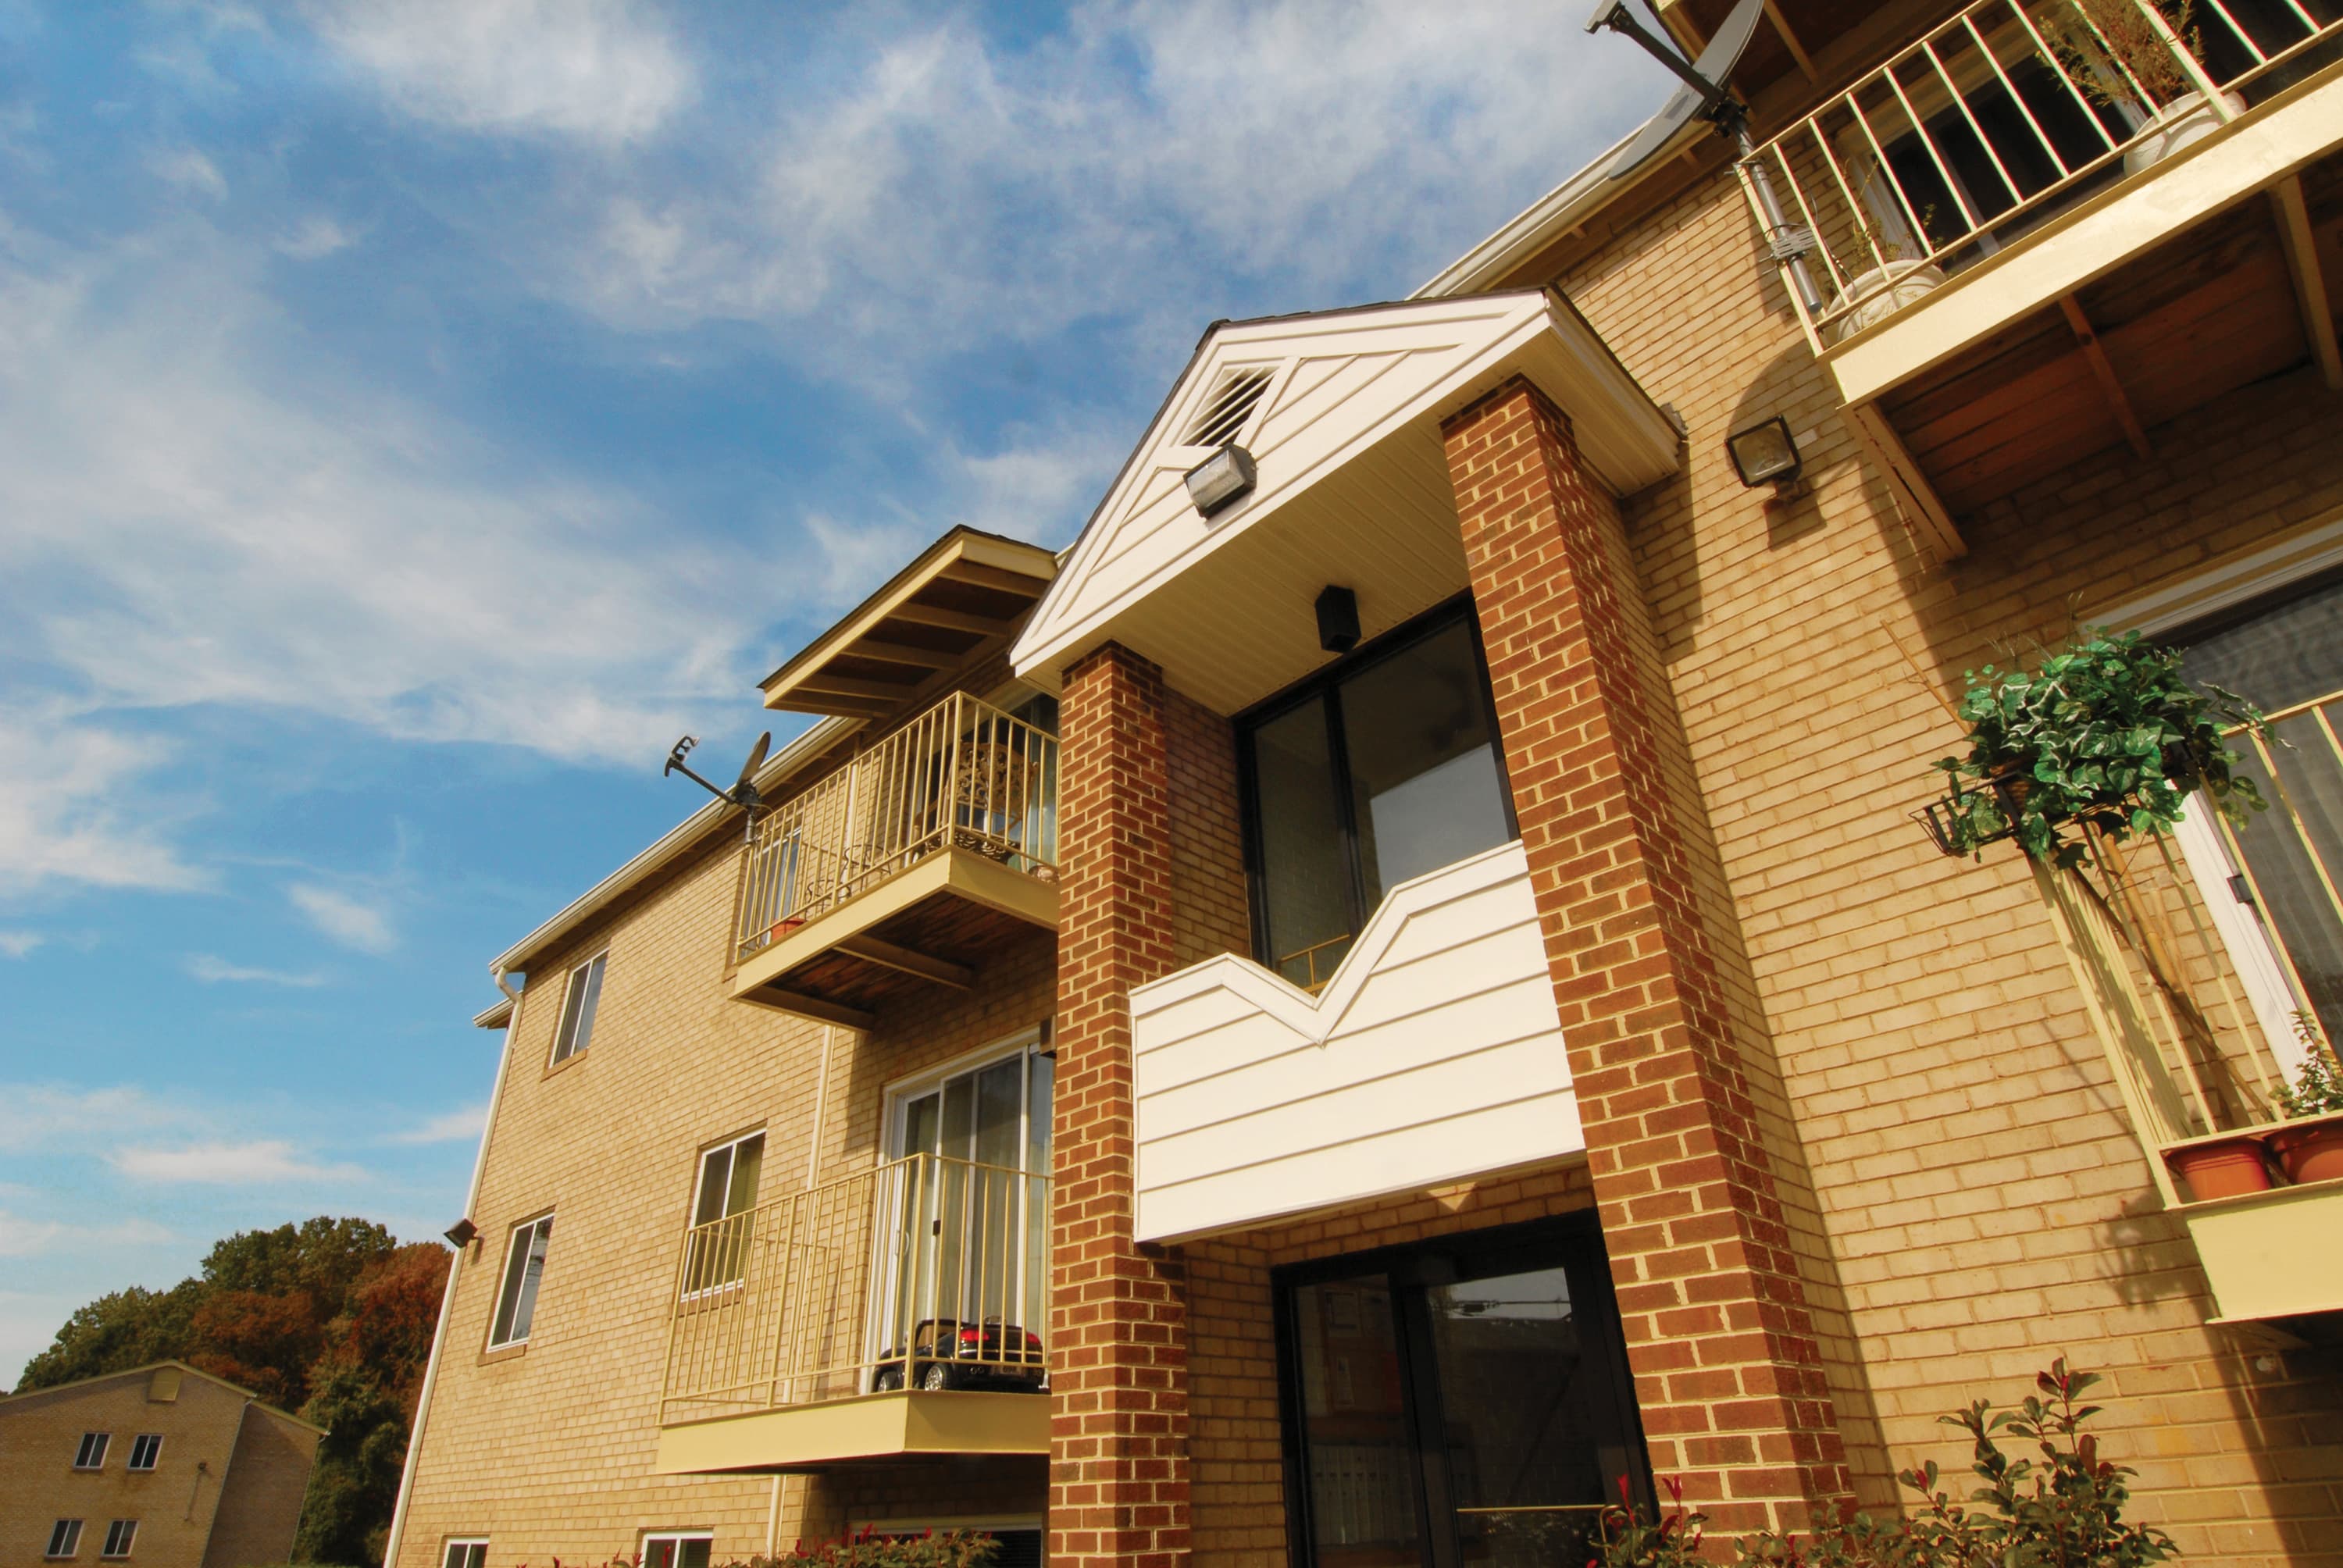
1346 391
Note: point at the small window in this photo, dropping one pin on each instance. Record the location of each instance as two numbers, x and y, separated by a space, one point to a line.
466 1554
145 1450
91 1455
678 1549
65 1538
523 1267
728 1188
118 1537
577 1009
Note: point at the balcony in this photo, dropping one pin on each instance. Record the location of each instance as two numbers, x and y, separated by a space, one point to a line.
907 866
878 1318
2033 234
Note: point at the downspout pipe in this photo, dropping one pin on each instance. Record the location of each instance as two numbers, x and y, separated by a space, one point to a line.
454 1272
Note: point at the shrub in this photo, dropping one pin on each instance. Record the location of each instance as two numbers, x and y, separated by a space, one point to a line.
864 1549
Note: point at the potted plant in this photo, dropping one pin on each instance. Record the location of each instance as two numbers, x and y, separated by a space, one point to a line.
2312 1152
1883 276
2224 1168
2106 731
2115 53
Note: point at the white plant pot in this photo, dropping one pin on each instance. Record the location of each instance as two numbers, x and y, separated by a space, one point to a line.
2187 118
1882 292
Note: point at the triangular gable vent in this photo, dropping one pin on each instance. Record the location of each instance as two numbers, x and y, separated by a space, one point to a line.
1230 406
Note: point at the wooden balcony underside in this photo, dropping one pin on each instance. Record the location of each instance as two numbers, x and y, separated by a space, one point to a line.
931 925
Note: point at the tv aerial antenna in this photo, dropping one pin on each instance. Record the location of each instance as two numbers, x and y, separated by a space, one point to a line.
743 793
1703 97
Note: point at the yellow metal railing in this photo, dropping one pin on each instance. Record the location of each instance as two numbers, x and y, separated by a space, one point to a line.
2004 115
962 774
923 1273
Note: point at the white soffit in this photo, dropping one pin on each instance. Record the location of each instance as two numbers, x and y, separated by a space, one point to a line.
1352 487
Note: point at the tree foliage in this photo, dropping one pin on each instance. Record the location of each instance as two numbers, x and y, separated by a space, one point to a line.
331 1318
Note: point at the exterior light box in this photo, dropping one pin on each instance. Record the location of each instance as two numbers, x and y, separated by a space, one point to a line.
1764 453
1221 478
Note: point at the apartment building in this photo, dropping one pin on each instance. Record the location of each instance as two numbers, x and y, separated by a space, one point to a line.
1394 988
161 1465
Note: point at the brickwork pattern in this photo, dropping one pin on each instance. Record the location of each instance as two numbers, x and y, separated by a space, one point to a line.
1980 1195
1726 1362
1119 1427
1210 907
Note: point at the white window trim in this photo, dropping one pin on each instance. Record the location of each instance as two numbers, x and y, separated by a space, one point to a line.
643 1542
452 1541
556 1056
691 1210
105 1550
2229 586
132 1465
104 1447
73 1542
898 1096
496 1302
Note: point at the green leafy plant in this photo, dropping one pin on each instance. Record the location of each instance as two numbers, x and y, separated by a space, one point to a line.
864 1549
2062 1510
2106 731
2094 37
2318 1089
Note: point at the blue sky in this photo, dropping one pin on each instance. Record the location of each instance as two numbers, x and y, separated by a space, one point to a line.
415 414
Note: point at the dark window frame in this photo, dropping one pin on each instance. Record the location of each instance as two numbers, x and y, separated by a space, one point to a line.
1575 1239
1319 684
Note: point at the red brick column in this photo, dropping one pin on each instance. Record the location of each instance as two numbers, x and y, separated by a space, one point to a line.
1119 1419
1727 1368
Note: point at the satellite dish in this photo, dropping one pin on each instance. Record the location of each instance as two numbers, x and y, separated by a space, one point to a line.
1702 95
743 793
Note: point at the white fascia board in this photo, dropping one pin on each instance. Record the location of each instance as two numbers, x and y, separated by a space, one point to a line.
673 845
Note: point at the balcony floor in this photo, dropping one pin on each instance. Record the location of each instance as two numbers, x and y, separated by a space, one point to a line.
909 1426
928 924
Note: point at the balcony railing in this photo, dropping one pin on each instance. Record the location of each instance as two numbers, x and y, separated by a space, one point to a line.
963 775
924 1273
2007 114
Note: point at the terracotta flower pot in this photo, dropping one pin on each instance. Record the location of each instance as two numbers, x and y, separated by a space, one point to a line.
2309 1154
2229 1169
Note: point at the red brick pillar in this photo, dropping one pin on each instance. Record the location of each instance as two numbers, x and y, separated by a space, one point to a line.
1119 1419
1728 1366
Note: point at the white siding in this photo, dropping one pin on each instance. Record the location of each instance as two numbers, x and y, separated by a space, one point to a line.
1434 1053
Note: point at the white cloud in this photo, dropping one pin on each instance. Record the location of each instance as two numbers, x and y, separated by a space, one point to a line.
68 811
460 1125
313 237
189 170
21 1238
348 920
213 970
598 70
258 1163
20 944
47 1115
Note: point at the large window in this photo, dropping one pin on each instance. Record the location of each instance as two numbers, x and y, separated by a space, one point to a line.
524 1268
1381 768
727 1191
1463 1402
583 995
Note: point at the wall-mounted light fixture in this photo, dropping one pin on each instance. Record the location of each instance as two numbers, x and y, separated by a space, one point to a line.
1338 621
1764 453
461 1232
1221 478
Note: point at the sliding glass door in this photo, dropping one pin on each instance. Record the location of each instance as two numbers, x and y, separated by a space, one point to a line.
1462 1404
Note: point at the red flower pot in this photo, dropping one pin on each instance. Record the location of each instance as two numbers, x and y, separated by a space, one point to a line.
2309 1154
2229 1169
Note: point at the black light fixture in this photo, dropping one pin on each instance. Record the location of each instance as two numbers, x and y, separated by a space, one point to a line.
1221 478
1764 453
1338 621
461 1232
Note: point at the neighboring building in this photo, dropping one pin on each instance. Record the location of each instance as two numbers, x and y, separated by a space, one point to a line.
162 1465
1413 987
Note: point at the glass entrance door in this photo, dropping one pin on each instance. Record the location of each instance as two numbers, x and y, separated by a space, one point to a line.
1460 1406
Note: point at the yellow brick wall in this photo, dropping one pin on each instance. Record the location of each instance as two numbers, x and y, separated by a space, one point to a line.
260 1506
175 1505
546 1451
1974 1186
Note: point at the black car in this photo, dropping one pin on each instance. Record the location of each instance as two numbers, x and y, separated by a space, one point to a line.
948 1353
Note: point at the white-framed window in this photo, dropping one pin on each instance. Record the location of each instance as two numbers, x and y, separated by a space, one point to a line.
118 1537
465 1552
146 1449
727 1189
578 1000
91 1455
677 1548
524 1269
65 1538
